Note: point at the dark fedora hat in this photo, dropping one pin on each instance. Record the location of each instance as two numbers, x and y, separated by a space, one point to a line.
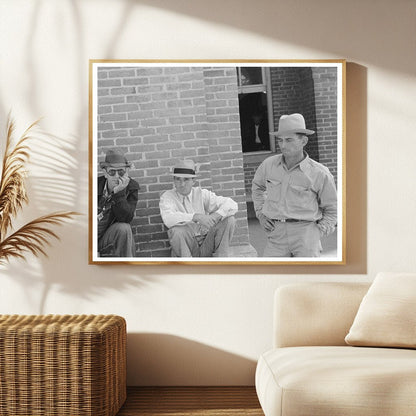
114 158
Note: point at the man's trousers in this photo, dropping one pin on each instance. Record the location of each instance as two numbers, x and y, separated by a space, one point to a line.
293 239
117 241
187 241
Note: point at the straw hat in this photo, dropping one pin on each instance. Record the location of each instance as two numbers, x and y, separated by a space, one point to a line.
184 169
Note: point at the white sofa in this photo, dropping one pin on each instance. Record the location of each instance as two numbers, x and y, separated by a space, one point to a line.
311 371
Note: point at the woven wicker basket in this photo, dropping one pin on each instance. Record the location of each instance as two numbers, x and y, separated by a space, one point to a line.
71 365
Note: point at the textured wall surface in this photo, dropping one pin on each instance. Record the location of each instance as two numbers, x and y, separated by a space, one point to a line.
159 115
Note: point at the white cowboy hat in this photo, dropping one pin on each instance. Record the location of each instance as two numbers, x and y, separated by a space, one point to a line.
292 123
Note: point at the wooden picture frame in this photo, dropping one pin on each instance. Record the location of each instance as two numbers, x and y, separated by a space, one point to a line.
156 113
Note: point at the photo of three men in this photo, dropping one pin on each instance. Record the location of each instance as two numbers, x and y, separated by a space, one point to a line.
293 199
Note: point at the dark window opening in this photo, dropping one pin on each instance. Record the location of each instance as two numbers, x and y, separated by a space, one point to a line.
254 121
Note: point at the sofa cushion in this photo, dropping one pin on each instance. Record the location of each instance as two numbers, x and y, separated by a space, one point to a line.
315 314
304 381
387 314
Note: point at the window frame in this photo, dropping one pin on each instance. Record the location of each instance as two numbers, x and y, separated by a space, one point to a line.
264 87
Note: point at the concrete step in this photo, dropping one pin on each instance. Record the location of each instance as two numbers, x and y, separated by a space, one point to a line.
246 250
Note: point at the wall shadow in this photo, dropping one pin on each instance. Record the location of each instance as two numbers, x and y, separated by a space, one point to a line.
333 27
52 187
76 194
168 360
58 180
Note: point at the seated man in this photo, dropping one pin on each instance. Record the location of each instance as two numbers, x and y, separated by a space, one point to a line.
117 199
201 224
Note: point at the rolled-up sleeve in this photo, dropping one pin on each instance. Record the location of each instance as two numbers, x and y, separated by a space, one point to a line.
258 189
224 206
328 205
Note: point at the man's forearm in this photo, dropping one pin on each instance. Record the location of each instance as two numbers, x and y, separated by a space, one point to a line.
207 221
257 195
227 208
124 207
328 222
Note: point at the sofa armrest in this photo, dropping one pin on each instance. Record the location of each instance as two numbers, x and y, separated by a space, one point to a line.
308 314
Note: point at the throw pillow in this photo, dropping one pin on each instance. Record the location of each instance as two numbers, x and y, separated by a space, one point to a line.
386 316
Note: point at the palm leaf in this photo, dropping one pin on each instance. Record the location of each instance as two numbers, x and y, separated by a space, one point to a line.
12 183
32 237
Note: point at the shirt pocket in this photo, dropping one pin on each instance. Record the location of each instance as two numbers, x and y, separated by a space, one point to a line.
302 195
273 189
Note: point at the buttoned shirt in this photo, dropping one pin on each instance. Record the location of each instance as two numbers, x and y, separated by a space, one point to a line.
177 209
305 192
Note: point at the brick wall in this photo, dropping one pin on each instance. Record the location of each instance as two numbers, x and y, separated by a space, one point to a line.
325 80
157 115
293 92
225 152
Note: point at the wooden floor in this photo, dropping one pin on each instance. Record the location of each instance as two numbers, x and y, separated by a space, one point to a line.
187 401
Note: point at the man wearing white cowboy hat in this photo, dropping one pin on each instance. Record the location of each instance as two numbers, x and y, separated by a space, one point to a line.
117 200
201 223
295 197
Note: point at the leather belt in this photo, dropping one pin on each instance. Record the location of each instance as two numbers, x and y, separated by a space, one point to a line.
288 220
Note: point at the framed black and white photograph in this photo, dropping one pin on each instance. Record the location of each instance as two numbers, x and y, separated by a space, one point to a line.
217 162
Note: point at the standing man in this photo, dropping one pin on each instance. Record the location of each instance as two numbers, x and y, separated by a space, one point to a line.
294 197
117 199
201 224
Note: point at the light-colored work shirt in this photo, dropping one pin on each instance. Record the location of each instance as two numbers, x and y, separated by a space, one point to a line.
305 192
177 209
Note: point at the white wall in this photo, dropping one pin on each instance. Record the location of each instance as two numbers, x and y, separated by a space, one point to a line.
206 324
